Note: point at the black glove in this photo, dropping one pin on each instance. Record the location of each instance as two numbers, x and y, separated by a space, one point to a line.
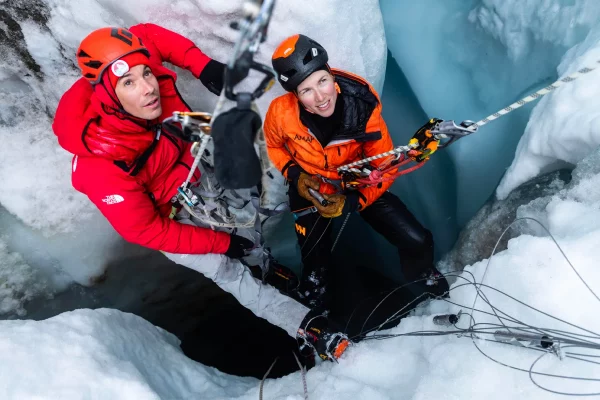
426 143
293 174
352 202
212 76
238 246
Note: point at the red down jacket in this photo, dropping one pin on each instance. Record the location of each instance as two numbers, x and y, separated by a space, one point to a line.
109 153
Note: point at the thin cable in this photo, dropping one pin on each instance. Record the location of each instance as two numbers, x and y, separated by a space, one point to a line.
540 311
318 240
508 317
495 326
490 258
563 253
487 266
531 373
260 391
583 355
303 373
536 373
571 355
311 231
340 232
514 320
381 302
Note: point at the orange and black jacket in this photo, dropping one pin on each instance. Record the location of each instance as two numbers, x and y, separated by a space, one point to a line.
362 134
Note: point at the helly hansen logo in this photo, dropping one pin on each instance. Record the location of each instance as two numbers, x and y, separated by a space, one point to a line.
307 139
113 199
301 230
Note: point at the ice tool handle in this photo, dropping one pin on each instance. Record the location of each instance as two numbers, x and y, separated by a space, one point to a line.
318 197
253 31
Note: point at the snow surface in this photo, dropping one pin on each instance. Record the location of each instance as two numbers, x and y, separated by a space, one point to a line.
103 354
519 44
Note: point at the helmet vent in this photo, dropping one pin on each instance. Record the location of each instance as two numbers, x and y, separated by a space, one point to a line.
289 74
125 32
93 64
83 54
124 35
308 57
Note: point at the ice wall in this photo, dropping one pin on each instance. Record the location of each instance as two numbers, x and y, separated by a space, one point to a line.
565 126
465 59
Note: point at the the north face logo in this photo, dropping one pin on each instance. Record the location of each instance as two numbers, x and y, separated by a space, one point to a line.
113 199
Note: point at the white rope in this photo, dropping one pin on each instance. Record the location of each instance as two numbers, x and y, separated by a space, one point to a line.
396 151
203 144
489 118
532 97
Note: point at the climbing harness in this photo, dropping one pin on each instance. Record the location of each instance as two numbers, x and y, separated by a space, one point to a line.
211 201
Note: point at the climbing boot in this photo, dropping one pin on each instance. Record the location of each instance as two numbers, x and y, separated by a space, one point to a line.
315 335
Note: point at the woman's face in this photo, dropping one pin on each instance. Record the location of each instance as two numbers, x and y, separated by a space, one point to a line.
139 94
317 93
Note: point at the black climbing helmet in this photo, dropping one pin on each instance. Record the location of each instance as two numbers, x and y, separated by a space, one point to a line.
296 58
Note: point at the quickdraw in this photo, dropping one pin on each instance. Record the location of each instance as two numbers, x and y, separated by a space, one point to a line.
373 177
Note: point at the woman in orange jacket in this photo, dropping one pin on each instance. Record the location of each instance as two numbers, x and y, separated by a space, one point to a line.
330 118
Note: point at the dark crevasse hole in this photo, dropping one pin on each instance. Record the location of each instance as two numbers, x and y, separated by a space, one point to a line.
214 328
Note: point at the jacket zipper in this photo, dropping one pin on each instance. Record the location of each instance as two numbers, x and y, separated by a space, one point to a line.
323 148
170 138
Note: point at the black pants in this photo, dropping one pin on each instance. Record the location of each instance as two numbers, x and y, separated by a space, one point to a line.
387 215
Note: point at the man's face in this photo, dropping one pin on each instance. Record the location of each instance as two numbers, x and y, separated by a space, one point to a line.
139 94
317 93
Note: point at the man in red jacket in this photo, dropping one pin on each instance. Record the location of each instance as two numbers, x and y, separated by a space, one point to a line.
131 169
110 120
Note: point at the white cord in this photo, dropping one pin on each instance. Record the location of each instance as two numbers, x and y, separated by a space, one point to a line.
489 118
